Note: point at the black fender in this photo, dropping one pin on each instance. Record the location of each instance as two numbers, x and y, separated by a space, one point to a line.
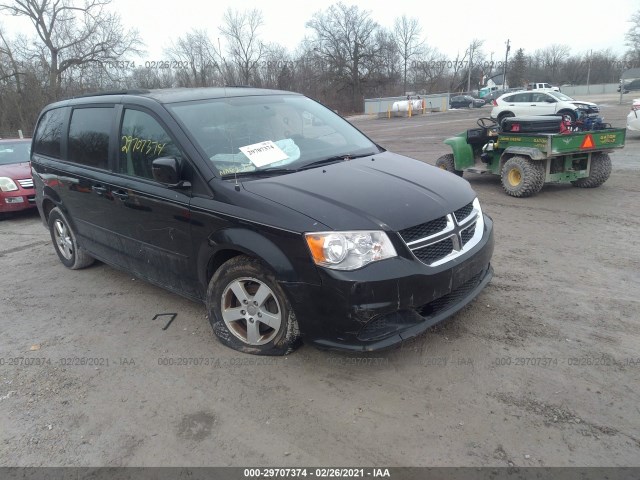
226 243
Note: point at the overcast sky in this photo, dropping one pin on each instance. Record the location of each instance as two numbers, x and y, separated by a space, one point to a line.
447 25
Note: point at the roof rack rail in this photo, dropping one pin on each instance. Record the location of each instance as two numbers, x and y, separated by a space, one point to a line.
239 86
114 92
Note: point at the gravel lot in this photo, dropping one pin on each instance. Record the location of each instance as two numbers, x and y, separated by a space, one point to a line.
542 369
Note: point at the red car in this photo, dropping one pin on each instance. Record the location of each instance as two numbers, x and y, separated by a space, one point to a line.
16 184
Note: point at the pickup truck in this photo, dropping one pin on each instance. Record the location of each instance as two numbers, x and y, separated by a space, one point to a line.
528 152
542 87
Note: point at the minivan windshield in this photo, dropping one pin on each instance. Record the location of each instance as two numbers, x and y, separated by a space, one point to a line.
277 133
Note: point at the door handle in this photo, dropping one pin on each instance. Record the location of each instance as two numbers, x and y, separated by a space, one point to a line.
99 189
122 195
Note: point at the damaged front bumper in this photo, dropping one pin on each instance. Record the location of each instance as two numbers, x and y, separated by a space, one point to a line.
390 301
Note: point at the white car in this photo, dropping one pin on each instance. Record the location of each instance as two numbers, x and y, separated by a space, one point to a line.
633 119
528 102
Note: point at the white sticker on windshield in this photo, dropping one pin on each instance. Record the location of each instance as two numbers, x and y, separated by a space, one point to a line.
263 153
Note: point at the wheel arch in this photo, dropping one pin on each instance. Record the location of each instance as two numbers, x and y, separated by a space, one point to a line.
226 244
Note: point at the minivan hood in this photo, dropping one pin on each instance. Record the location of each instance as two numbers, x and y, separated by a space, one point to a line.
383 191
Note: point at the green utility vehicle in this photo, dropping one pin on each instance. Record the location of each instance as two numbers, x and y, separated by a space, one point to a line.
526 158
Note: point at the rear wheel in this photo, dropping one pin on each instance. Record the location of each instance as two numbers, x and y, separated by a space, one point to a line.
249 311
522 177
65 243
447 162
504 115
599 173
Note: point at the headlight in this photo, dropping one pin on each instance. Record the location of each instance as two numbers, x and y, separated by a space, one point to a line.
349 250
7 185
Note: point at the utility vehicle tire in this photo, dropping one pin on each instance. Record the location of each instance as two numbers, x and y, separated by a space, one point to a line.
447 162
64 242
600 171
249 311
522 177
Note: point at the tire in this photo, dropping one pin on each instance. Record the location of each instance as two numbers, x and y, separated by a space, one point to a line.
570 114
522 177
447 162
243 276
599 173
471 105
504 115
64 242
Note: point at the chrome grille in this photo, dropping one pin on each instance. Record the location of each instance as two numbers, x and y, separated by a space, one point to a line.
443 239
424 229
26 183
434 252
464 212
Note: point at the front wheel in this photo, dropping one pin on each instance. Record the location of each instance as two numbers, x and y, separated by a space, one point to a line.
598 174
249 311
522 177
447 162
65 243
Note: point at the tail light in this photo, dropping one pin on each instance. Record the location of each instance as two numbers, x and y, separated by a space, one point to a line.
494 103
635 106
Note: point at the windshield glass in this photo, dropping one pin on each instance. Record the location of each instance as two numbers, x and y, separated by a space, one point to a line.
561 96
256 133
14 152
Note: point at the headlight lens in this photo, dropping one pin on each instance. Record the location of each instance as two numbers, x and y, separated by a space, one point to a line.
7 185
349 250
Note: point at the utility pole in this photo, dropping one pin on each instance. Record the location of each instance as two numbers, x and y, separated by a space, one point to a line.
469 69
506 57
589 69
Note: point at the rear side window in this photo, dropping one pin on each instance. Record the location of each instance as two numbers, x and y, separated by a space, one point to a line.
142 140
49 133
89 136
519 97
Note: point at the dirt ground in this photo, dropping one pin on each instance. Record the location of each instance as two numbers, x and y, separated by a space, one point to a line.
543 369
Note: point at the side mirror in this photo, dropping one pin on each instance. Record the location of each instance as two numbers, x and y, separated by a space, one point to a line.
167 170
550 100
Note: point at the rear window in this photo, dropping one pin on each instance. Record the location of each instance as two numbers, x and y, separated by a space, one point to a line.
48 136
89 136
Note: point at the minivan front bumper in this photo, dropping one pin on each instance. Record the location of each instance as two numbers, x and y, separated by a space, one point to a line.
390 301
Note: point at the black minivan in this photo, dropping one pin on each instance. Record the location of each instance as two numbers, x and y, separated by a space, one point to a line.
279 215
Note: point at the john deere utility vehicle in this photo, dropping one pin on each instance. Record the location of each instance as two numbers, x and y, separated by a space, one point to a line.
528 152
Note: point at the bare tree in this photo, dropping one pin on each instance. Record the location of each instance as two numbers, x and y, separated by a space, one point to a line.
344 37
75 35
407 33
199 63
240 30
552 57
632 38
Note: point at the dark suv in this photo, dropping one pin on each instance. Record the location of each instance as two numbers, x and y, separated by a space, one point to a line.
283 218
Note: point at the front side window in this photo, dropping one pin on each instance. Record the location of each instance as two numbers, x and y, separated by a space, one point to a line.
142 140
48 135
89 133
253 133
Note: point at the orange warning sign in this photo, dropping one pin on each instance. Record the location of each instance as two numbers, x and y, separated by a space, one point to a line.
587 142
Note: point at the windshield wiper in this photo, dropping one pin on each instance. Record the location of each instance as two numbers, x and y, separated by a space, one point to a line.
335 159
254 173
